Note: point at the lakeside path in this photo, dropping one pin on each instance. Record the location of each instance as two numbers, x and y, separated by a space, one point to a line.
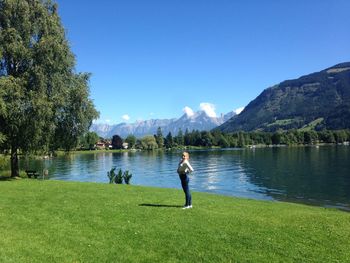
58 221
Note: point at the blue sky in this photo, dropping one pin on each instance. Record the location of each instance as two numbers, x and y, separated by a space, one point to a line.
151 59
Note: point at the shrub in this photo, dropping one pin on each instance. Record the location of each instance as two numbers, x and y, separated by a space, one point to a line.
111 175
127 176
119 177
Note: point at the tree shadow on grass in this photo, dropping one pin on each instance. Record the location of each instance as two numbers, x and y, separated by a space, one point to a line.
159 205
9 178
6 178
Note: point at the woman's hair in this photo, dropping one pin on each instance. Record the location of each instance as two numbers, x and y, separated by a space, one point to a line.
187 155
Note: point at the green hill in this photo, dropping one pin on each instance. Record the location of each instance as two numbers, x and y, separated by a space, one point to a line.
319 100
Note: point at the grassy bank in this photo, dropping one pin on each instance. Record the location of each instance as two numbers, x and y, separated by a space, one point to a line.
56 221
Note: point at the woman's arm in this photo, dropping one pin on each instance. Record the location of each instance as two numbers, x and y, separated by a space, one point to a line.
189 166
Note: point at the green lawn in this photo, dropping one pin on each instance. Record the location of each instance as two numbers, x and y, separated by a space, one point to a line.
56 221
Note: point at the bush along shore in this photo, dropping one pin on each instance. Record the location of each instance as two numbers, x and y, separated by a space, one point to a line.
216 139
58 221
119 177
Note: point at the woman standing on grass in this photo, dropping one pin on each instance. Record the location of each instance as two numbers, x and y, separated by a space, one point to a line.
183 170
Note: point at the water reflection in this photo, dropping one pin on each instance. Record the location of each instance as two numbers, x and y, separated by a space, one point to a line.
302 174
308 175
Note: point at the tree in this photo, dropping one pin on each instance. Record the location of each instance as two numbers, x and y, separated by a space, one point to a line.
2 111
76 115
340 136
267 138
222 141
196 138
159 138
187 138
217 137
131 140
169 141
206 139
44 103
326 136
233 140
91 138
241 140
149 143
291 138
180 139
276 138
117 142
310 137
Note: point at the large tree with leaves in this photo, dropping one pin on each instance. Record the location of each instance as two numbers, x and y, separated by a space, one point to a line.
44 103
117 142
159 137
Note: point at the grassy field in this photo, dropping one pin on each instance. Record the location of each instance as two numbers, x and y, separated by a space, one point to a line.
56 221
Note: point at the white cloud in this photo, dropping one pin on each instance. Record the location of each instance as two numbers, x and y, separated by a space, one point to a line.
208 108
239 110
125 117
188 111
107 121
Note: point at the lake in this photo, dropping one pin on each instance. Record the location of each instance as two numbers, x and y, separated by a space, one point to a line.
310 175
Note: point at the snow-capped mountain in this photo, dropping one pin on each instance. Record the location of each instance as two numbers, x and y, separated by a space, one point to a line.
101 129
197 121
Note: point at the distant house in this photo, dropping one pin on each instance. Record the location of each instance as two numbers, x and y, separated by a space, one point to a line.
103 145
125 145
100 146
108 145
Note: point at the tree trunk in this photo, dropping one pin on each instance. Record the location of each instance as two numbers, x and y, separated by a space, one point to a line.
14 162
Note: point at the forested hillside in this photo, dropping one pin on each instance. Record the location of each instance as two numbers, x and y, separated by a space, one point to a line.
317 101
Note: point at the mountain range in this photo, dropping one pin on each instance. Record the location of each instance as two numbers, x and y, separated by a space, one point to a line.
320 100
199 120
317 101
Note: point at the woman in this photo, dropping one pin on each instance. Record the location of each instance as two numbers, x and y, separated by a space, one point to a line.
183 170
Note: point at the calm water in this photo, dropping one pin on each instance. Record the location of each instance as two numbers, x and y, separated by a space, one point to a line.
317 176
